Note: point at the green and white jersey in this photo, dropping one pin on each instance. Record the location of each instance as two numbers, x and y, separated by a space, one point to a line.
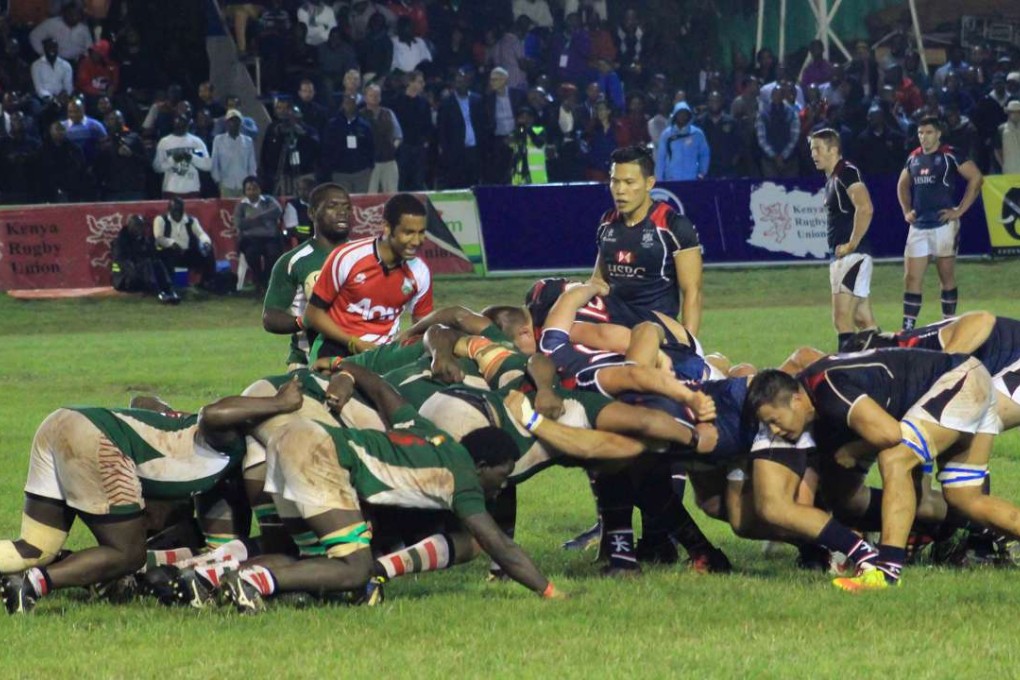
312 384
414 465
172 459
389 357
290 287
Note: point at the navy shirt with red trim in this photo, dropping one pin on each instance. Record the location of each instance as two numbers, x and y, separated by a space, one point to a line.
639 259
1001 349
933 183
894 378
840 209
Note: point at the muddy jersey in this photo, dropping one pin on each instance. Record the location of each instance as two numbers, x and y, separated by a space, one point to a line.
172 459
639 261
290 287
414 465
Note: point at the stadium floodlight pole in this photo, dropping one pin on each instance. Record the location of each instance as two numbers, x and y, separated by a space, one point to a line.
824 16
761 28
782 31
917 34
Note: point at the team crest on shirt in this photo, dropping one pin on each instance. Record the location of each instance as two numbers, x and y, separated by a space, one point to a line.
407 287
359 278
624 257
647 239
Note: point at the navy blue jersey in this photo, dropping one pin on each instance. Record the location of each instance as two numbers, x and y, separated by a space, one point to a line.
1001 349
840 209
933 183
688 359
576 365
639 260
894 378
544 293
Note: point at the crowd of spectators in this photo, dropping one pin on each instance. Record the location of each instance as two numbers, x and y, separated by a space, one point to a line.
416 94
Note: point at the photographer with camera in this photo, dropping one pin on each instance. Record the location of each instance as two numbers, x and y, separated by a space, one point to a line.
135 265
290 149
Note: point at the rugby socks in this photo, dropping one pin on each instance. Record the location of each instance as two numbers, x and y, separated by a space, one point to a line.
890 562
213 573
39 580
842 340
260 578
158 558
237 550
949 300
911 310
616 507
838 538
435 552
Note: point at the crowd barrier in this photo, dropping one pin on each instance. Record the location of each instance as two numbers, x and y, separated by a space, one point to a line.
740 222
520 230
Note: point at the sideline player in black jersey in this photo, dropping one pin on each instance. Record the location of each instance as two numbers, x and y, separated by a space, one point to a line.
916 408
849 210
927 194
649 255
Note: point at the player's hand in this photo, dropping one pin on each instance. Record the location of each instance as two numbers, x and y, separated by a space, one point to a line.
339 391
845 459
703 406
949 214
289 396
910 217
548 403
708 438
514 402
600 286
555 594
446 369
844 249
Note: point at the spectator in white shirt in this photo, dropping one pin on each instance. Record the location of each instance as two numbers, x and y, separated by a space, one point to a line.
70 33
179 157
233 157
408 51
536 10
181 242
319 19
51 75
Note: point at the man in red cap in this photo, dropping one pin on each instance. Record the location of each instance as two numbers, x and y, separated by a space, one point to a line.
98 74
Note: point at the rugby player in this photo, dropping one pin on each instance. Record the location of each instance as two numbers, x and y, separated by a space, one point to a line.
927 195
295 273
101 465
916 408
366 284
326 474
649 255
848 210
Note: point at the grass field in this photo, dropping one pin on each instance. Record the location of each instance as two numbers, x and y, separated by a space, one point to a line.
767 620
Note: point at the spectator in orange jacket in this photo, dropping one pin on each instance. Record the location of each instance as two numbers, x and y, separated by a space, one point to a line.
97 73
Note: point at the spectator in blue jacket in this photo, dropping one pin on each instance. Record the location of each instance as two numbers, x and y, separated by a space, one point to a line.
683 152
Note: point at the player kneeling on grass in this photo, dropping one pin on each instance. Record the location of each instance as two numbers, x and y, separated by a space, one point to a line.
320 475
101 465
916 408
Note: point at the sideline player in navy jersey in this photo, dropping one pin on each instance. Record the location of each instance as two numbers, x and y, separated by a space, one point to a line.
927 190
916 408
849 210
649 254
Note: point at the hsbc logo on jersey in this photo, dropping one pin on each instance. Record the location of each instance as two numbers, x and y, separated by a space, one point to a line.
624 257
925 171
624 271
369 312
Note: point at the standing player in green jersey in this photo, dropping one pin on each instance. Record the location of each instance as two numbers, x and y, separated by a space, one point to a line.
295 273
327 473
102 465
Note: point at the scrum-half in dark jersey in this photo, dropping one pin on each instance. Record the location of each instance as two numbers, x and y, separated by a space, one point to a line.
544 293
894 378
840 209
639 259
1001 349
933 183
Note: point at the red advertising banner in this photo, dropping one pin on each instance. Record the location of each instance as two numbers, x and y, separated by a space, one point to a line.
68 246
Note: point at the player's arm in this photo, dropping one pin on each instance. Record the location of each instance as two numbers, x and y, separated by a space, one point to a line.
873 423
863 210
317 317
440 341
461 318
507 554
576 442
967 333
600 274
350 377
800 359
903 194
542 372
219 421
608 336
617 379
564 311
970 172
689 280
645 340
276 316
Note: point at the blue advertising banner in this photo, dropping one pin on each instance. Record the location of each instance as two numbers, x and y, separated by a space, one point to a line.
741 221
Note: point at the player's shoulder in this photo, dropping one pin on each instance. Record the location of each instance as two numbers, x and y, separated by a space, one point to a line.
849 172
354 250
609 216
419 269
916 153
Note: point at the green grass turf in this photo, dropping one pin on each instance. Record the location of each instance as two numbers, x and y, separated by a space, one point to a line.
768 620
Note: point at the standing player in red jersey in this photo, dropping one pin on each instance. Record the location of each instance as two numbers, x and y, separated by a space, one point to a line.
366 284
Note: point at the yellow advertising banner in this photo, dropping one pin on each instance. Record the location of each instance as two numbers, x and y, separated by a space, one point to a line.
1001 196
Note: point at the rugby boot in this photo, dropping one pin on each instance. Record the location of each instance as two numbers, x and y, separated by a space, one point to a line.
245 597
18 594
585 539
868 579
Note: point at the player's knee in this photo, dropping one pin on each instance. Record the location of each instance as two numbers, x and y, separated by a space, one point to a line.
897 463
773 508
